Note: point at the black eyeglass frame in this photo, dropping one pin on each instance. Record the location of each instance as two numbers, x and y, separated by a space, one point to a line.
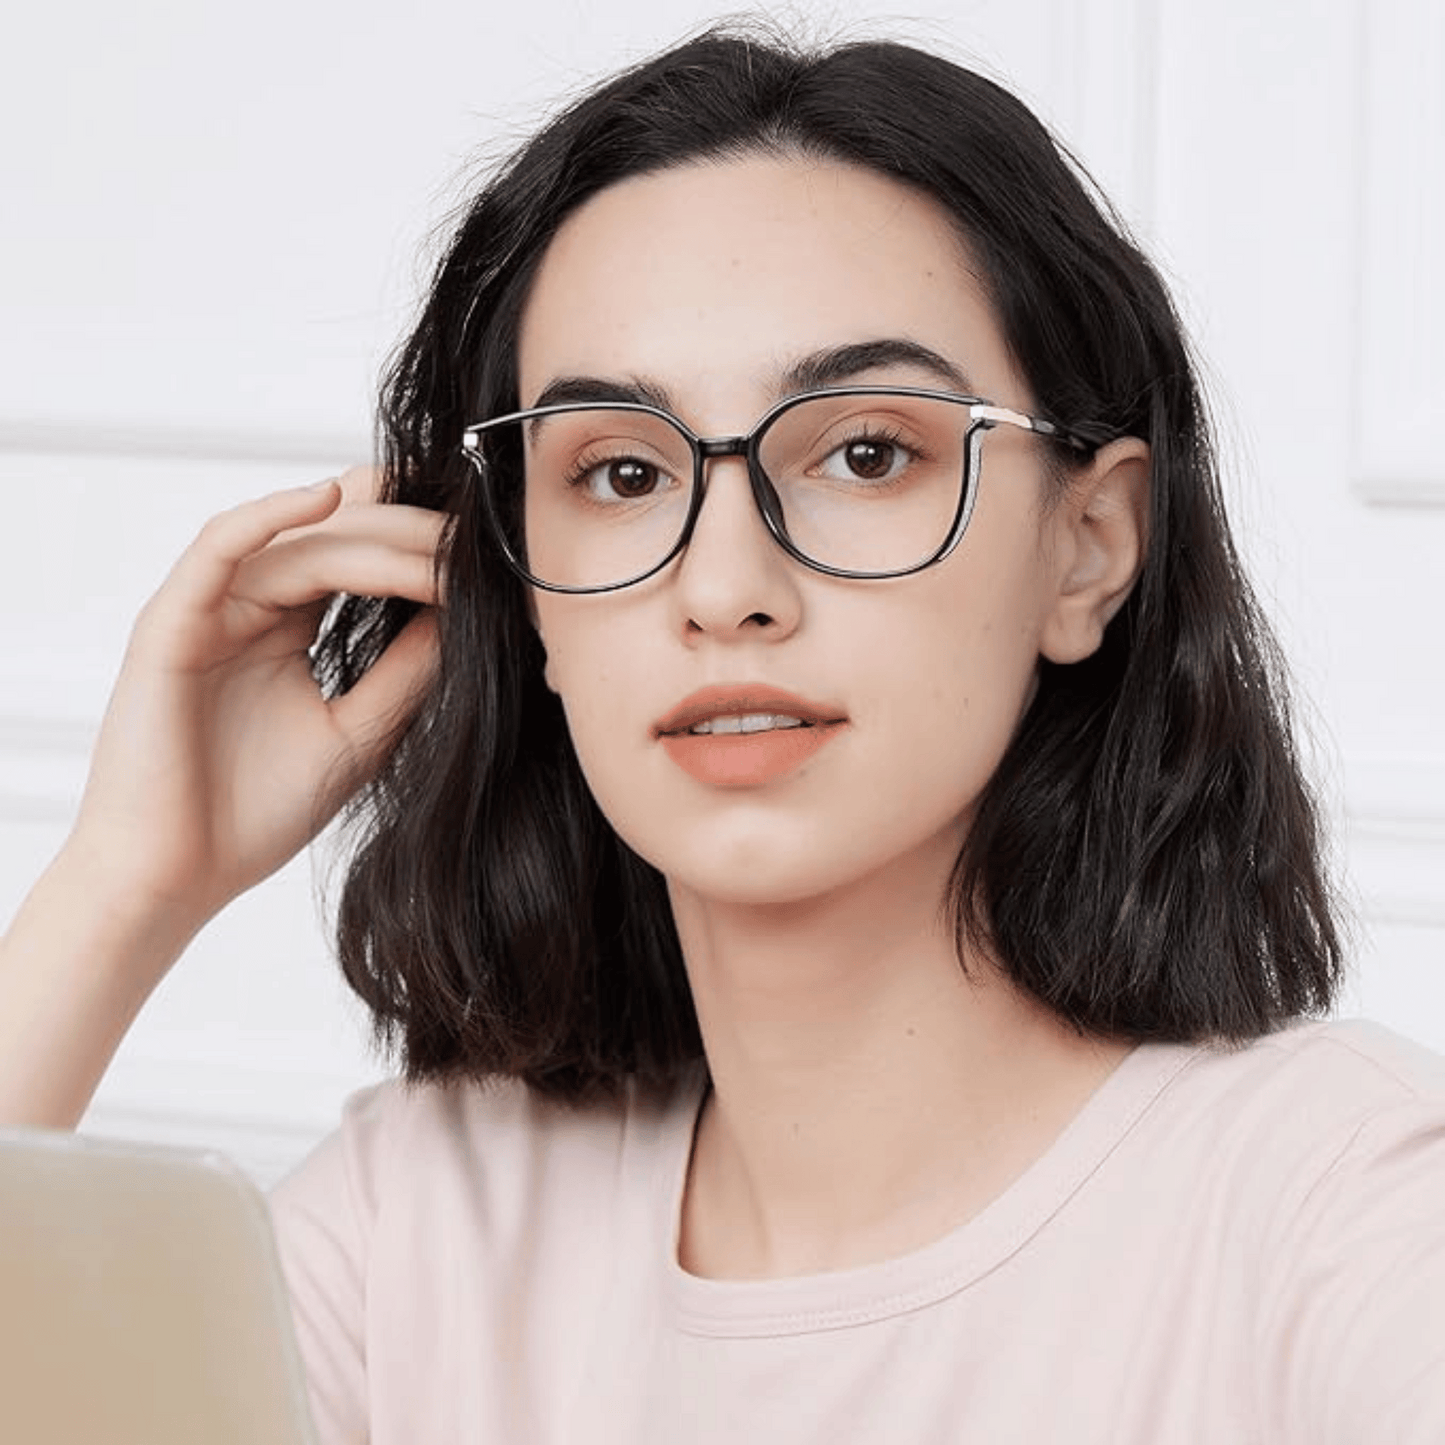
983 416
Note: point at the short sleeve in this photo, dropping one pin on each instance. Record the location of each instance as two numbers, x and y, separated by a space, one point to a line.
1359 1331
322 1216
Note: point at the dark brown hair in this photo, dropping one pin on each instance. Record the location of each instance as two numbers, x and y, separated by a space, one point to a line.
1146 859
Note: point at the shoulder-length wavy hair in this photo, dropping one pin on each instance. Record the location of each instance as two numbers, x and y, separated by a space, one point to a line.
1146 859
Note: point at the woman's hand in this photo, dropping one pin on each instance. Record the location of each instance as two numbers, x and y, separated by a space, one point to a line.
219 758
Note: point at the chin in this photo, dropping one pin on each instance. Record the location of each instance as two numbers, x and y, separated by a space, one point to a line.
767 870
813 875
754 891
769 852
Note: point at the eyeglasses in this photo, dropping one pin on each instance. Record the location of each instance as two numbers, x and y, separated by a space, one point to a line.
858 482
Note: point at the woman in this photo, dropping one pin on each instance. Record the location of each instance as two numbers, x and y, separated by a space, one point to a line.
833 862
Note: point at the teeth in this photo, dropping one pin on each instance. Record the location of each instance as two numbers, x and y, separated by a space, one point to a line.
753 722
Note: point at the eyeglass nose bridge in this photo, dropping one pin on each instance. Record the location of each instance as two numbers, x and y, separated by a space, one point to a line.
765 497
722 447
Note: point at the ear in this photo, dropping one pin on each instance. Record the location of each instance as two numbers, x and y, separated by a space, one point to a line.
1100 530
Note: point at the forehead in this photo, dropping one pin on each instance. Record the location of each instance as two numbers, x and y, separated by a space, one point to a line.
712 277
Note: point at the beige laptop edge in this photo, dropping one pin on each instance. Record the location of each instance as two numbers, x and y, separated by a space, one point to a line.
141 1300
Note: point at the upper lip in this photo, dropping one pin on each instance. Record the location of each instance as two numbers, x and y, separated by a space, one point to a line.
738 700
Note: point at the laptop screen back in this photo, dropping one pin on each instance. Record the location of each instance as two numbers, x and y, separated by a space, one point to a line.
141 1300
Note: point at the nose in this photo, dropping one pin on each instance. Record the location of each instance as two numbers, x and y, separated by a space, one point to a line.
733 580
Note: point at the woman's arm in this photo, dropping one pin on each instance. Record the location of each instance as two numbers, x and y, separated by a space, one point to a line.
218 760
75 968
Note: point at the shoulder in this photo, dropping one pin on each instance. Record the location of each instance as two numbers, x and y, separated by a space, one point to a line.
1323 1151
1283 1203
1319 1084
1366 1060
1273 1122
1355 1113
1276 1153
399 1142
433 1204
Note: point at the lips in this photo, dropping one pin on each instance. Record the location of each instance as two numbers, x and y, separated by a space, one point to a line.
746 737
745 702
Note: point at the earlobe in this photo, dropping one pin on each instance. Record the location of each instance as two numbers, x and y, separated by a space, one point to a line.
1100 536
547 672
536 622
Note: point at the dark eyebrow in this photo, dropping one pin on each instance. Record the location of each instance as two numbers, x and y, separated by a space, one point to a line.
839 364
815 372
600 391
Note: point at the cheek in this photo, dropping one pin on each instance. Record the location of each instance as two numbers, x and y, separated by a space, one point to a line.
588 662
950 685
954 695
969 638
582 678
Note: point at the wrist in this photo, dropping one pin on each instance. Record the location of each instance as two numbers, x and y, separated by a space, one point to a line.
120 914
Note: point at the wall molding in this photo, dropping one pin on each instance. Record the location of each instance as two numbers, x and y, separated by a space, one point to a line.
1397 866
1107 70
266 1148
266 1119
43 763
1393 834
1400 393
199 443
1382 489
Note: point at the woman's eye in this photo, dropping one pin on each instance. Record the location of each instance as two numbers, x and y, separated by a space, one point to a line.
626 478
866 459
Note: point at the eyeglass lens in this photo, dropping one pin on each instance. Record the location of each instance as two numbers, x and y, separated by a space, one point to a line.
868 483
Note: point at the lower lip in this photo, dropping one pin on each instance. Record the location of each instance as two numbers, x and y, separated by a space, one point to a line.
746 760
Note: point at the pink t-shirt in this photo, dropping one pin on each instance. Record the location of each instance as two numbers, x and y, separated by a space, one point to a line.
1224 1247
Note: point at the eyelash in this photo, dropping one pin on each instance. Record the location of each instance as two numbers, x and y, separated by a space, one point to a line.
589 462
888 436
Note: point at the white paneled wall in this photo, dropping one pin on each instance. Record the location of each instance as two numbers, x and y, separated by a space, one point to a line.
210 236
1303 218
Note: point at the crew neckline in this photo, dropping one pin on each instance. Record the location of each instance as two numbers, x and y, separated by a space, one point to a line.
846 1298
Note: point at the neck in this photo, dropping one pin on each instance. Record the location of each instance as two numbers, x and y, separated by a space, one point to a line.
871 1090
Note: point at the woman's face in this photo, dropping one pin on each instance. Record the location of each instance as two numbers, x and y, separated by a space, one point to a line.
707 284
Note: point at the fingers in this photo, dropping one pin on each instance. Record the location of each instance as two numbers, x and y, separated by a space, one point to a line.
390 522
369 715
295 548
374 560
207 567
360 484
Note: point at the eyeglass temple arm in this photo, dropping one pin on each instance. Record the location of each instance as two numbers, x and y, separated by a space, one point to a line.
991 415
